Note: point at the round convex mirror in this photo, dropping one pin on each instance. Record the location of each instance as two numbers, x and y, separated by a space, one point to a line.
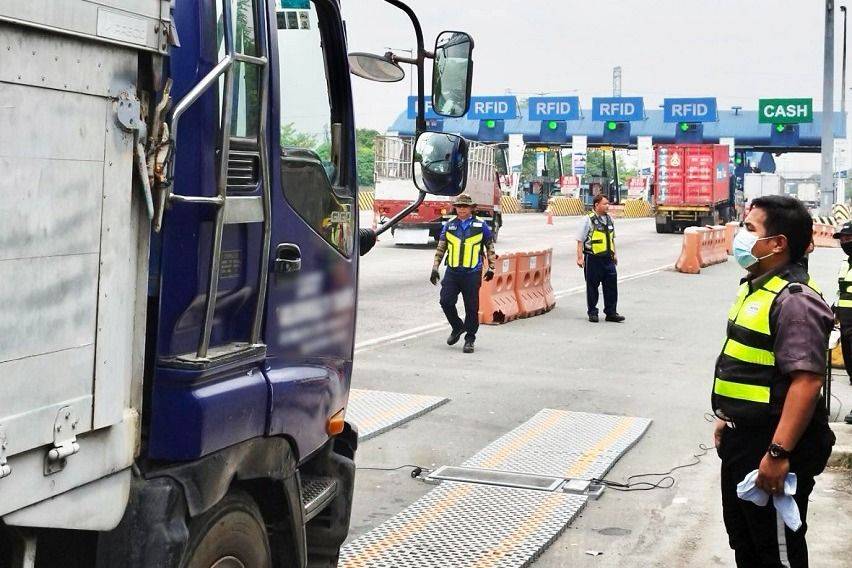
375 68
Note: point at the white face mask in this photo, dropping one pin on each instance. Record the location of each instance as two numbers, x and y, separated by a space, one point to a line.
744 242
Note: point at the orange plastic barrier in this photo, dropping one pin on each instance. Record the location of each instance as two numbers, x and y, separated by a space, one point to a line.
702 247
713 249
497 300
730 231
549 295
529 286
690 258
824 236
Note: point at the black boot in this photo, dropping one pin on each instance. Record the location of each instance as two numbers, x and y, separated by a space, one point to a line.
468 346
617 318
454 337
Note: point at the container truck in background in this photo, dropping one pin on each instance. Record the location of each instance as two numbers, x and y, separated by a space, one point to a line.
808 193
177 286
692 186
759 185
395 190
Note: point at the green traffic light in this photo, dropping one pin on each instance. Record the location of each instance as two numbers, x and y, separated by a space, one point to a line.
611 125
490 123
780 128
552 125
738 159
684 126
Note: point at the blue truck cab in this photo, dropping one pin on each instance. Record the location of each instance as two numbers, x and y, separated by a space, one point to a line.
214 296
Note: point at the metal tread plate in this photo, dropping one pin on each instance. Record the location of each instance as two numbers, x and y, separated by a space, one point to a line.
562 443
466 525
375 412
316 493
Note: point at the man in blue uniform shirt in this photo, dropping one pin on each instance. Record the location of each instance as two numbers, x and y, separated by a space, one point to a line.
465 240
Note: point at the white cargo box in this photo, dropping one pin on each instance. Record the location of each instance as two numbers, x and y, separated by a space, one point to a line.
73 254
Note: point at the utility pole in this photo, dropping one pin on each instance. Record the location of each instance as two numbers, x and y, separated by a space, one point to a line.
843 80
616 81
827 178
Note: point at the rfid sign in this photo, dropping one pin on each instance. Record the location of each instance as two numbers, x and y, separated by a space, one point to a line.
412 109
618 109
493 108
554 108
690 110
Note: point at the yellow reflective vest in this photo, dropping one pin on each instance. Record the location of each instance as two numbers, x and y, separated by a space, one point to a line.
844 293
601 239
747 385
463 250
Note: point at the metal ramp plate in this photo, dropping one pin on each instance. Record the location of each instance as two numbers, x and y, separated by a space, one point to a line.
561 443
375 412
459 525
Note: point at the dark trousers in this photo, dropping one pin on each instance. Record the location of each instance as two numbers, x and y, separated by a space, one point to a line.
600 270
467 284
846 346
757 535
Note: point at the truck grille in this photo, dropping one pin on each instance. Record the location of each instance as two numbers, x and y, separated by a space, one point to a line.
243 171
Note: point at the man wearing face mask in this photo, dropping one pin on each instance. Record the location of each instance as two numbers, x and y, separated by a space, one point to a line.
768 381
844 300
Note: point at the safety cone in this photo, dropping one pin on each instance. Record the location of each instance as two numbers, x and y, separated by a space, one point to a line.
549 217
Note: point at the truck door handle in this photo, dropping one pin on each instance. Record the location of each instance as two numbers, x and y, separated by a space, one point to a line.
288 258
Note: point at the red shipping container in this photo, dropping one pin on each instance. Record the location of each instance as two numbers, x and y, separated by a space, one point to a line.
691 174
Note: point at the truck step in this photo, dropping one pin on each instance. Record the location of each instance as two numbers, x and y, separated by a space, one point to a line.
317 492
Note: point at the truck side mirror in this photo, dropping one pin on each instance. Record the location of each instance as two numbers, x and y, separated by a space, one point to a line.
373 67
452 72
440 163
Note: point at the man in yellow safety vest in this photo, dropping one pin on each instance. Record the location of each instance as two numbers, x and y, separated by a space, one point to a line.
844 300
772 420
596 256
466 240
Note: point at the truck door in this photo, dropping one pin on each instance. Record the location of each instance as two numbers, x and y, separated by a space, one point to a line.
310 319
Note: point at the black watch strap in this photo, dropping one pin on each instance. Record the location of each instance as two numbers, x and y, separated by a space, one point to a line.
778 451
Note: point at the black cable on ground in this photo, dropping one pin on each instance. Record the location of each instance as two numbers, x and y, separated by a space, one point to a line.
416 470
666 480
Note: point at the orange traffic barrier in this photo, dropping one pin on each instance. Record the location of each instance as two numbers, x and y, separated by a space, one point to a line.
702 247
690 259
497 300
549 295
730 232
529 288
713 249
824 235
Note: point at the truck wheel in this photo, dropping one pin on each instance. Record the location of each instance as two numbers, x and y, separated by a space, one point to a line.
230 535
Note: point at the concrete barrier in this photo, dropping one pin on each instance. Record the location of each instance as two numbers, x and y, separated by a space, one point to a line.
510 204
566 206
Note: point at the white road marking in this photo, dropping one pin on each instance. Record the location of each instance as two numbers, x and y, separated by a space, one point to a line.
427 329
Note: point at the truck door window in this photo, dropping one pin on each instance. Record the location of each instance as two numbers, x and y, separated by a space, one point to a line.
309 175
245 113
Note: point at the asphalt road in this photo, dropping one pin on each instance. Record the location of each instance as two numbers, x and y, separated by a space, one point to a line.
656 365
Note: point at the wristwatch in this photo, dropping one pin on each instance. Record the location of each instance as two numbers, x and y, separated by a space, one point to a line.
777 451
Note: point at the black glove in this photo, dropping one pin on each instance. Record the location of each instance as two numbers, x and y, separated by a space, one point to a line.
489 275
435 276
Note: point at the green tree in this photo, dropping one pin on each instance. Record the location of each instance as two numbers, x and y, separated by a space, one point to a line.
296 139
364 157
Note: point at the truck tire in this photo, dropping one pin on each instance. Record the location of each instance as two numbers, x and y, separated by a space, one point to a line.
230 535
664 228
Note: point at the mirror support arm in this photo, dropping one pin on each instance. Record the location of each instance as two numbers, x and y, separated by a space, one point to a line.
402 214
420 125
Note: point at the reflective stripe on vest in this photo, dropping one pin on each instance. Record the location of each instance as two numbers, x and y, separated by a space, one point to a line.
745 370
463 251
601 239
844 284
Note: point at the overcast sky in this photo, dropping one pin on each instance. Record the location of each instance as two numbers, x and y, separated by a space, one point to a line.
735 50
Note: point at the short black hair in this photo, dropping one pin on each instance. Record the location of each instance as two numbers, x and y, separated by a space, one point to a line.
787 216
598 198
